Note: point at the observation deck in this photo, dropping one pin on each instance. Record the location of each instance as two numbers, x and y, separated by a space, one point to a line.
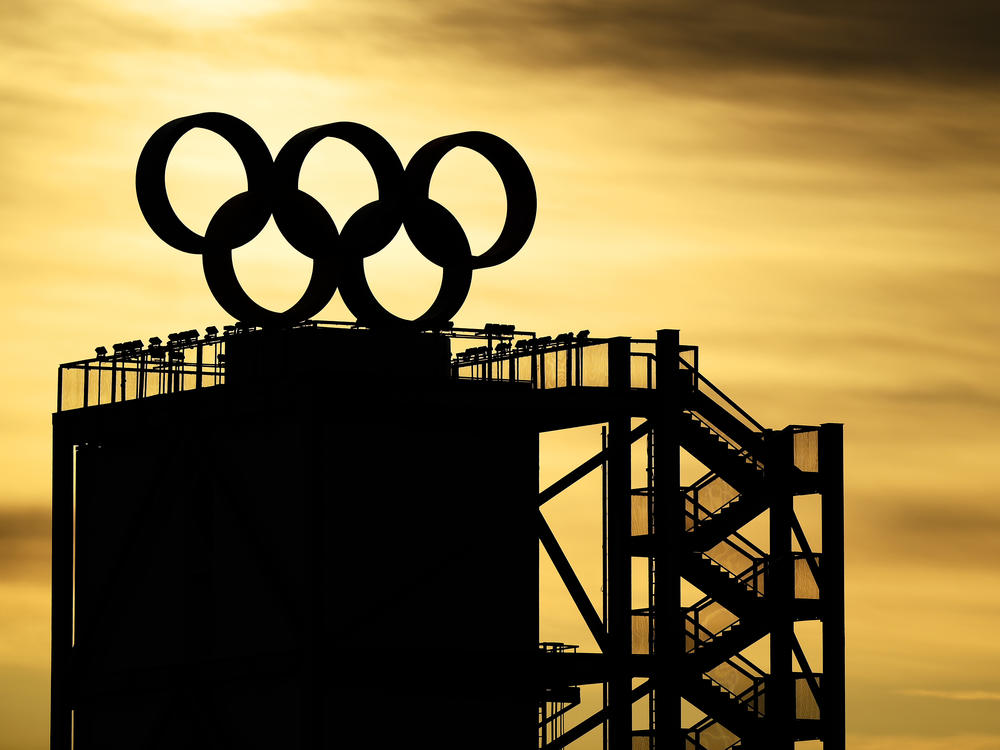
188 361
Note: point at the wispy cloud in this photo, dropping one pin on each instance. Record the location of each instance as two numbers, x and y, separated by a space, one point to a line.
652 38
920 742
954 695
24 544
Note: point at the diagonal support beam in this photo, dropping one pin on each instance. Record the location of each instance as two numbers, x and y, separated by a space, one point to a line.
568 707
810 557
568 575
588 466
800 656
594 720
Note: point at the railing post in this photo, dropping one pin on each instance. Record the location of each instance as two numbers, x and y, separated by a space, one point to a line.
668 657
831 473
780 590
619 615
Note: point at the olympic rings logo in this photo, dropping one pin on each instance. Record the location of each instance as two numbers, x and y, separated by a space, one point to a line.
337 254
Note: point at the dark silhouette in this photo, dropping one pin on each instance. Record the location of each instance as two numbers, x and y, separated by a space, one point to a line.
310 535
338 256
326 536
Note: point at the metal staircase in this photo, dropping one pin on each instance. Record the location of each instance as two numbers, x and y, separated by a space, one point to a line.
732 571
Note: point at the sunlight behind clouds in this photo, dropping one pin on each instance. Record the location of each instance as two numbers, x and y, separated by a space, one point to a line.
808 194
206 13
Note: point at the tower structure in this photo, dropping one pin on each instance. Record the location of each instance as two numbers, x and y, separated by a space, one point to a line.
297 536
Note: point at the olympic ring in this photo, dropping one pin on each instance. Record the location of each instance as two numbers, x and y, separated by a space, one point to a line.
337 255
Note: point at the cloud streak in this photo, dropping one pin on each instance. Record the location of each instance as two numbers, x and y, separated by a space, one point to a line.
24 544
914 41
954 695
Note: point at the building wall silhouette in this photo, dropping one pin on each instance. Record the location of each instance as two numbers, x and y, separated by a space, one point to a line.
336 546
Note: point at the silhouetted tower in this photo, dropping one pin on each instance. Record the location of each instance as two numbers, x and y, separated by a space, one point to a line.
324 534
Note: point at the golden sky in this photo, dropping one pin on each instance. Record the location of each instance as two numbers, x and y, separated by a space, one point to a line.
809 193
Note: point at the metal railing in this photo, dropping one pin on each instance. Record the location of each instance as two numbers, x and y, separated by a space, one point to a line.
188 361
707 387
135 372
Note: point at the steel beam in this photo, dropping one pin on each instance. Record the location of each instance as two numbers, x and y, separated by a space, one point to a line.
831 471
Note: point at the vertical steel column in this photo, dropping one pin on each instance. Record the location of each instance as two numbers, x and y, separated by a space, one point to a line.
619 551
780 591
61 708
604 570
831 472
668 538
317 642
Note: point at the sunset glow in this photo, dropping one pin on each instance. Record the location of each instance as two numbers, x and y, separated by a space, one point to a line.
810 195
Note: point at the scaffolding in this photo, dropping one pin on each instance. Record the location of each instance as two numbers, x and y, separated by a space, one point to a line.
688 654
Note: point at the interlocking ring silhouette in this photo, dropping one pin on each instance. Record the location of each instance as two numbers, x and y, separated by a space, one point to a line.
337 255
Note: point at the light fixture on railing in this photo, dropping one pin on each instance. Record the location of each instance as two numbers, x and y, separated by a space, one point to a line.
474 352
156 350
211 332
126 348
101 351
183 337
498 329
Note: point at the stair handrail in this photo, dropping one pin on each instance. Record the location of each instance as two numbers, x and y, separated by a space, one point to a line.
708 600
691 496
758 566
754 693
750 696
697 729
701 726
721 434
701 378
699 628
703 481
758 552
753 554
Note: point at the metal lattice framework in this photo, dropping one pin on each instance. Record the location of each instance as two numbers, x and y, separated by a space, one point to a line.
692 533
733 535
